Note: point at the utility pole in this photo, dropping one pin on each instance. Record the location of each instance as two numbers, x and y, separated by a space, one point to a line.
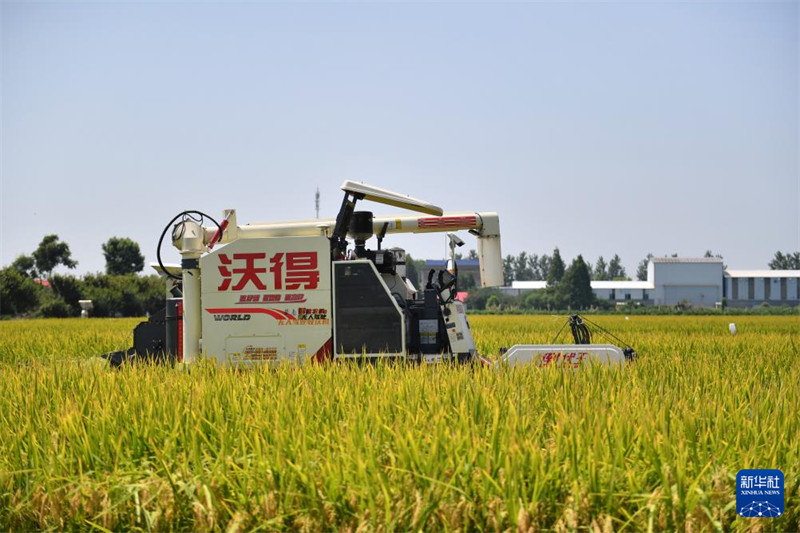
316 201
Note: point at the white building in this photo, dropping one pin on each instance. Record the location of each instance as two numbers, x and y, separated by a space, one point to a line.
623 291
745 288
518 287
699 282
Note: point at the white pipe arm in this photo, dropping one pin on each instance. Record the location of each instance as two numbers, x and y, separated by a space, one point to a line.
486 225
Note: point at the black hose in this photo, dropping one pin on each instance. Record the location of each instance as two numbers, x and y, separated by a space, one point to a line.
176 217
579 331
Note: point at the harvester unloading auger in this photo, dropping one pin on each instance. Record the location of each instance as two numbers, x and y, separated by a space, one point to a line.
268 293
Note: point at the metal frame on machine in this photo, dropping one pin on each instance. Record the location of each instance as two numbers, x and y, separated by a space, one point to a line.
336 345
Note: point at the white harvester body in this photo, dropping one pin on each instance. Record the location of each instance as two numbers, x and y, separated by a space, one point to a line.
280 291
297 291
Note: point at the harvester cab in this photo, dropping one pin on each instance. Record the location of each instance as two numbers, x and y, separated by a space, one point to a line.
298 291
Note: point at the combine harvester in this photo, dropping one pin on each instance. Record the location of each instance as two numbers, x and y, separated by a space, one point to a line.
268 293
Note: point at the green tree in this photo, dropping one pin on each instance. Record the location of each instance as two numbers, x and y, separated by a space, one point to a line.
522 270
535 268
472 255
615 268
128 295
466 282
544 267
537 300
122 256
508 269
788 261
641 270
51 253
600 270
52 306
478 298
575 289
69 289
556 270
18 293
25 265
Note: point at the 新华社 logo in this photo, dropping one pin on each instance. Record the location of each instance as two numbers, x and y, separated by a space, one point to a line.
759 493
282 271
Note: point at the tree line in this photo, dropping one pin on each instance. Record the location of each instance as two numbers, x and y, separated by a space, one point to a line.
787 261
568 287
28 285
533 267
122 256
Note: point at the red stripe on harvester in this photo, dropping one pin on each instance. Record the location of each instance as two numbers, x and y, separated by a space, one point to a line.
324 353
446 222
274 313
285 315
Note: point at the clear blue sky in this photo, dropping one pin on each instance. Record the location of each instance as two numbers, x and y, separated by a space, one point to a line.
600 128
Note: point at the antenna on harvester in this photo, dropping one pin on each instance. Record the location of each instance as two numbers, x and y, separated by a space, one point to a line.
316 201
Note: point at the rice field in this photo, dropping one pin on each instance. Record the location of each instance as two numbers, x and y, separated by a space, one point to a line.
654 446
